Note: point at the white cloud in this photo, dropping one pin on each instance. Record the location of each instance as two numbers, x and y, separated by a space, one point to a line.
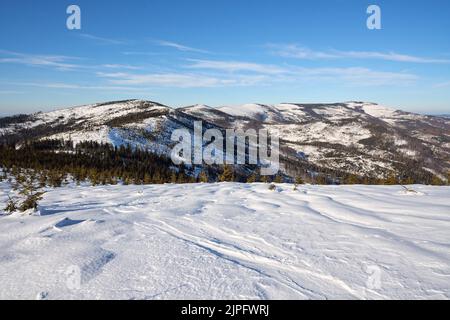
165 79
53 61
140 53
352 76
443 84
59 62
357 76
233 66
274 73
294 51
298 52
390 56
101 40
120 66
64 85
179 47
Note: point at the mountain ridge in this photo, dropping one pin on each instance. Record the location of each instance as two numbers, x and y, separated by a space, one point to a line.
361 138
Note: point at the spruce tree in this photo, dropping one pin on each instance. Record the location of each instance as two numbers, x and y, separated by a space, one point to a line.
227 175
252 178
203 177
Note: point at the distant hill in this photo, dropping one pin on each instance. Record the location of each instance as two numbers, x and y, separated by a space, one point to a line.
360 138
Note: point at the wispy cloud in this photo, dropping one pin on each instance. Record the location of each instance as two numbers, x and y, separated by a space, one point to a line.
140 53
233 66
53 61
443 84
294 51
357 76
292 74
204 74
390 56
58 62
298 52
253 74
179 47
178 80
102 40
74 86
120 66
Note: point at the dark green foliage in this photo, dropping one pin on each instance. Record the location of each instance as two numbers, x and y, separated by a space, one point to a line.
278 178
55 160
203 177
31 202
299 180
253 178
18 119
227 174
436 181
11 206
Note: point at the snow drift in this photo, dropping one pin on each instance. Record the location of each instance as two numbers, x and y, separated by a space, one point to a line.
229 241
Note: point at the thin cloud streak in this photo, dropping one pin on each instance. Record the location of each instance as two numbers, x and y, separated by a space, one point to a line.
165 79
58 62
261 76
120 66
53 61
233 66
102 40
298 52
354 75
443 84
62 85
178 46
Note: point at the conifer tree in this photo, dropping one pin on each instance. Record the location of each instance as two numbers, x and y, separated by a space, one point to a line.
436 181
203 177
227 175
173 177
391 180
299 180
278 178
253 178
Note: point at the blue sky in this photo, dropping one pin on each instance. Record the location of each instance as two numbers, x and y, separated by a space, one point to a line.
220 52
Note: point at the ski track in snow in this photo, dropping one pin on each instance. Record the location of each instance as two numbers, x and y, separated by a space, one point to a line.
228 241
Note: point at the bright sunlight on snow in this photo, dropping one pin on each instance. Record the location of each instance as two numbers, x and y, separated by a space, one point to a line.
229 241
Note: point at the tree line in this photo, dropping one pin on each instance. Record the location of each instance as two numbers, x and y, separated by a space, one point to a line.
55 162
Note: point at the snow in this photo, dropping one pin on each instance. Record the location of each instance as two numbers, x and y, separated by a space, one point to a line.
334 113
98 134
229 241
347 135
373 109
283 112
92 119
250 110
378 111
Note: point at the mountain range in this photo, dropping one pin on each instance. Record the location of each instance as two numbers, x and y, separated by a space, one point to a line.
360 138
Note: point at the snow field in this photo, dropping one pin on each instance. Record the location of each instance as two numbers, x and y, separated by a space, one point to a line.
229 241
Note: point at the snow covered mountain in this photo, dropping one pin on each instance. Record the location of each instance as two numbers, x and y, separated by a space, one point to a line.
353 137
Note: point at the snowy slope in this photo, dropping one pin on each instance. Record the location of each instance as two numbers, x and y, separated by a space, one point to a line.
229 241
354 137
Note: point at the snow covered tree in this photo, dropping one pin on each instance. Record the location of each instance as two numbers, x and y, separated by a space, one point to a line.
11 206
